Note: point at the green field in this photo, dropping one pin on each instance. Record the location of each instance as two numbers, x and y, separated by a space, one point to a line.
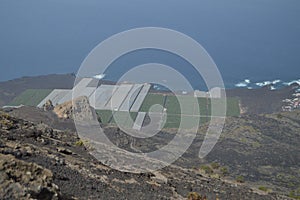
189 106
150 100
110 117
31 97
190 110
104 115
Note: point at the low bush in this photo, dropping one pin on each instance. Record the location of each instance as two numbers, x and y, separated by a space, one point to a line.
207 169
240 179
215 165
263 188
195 196
79 143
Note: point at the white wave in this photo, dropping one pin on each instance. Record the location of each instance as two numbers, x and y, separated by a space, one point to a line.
272 88
292 82
262 84
244 83
276 81
99 76
275 84
241 84
247 81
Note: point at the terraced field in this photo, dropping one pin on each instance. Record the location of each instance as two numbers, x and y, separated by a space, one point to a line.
31 97
123 119
190 109
150 100
104 115
107 117
189 106
190 112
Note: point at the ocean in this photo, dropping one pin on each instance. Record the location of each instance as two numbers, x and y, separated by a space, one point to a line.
234 78
253 42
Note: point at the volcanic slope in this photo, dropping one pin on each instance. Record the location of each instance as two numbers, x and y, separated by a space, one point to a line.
58 166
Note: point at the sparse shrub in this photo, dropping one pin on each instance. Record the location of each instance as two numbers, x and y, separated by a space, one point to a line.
279 116
5 115
215 176
195 196
263 188
6 124
240 179
291 185
224 171
207 169
256 144
215 165
79 143
295 194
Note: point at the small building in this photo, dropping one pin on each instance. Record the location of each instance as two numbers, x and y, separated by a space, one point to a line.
200 94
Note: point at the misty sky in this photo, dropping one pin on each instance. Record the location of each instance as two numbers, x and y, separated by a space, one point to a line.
256 39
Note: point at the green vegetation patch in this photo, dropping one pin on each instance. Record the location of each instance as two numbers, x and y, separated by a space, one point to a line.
31 97
233 108
172 105
240 179
175 114
204 106
122 117
224 171
150 100
215 165
206 169
263 188
187 107
104 116
195 196
295 194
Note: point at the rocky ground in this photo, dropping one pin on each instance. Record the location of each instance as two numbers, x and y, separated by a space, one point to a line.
39 162
264 149
262 100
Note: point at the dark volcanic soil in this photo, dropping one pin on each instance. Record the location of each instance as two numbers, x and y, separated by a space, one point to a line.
67 171
262 100
10 89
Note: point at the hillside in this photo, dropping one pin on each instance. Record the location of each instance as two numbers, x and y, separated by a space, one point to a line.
254 101
258 152
261 151
11 89
262 100
52 160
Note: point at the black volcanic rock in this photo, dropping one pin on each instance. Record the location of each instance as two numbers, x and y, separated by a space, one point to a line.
57 158
23 180
262 100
